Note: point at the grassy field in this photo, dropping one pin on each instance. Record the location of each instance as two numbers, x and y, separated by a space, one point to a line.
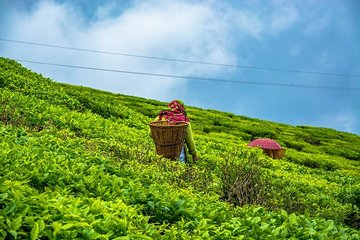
78 163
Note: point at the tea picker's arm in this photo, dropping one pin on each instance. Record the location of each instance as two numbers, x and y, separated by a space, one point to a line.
189 140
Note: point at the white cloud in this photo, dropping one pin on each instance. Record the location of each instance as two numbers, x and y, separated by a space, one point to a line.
283 18
250 24
105 11
170 29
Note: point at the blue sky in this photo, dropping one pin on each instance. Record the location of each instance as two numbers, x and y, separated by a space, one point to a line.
304 35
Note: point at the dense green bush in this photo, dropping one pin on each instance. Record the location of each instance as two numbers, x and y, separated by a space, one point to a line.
73 165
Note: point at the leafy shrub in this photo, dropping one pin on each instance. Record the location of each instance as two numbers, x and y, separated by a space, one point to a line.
74 166
294 145
206 130
342 152
259 132
243 180
312 140
353 219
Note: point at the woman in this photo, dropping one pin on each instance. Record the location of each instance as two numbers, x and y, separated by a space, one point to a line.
176 114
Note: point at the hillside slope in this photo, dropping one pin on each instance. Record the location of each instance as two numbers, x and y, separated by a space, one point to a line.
78 163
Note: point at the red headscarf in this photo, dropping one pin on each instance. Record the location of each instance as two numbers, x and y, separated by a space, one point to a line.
176 114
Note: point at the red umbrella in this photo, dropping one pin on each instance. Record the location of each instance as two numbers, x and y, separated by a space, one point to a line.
265 143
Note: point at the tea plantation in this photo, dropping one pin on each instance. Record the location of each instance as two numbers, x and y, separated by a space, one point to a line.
78 163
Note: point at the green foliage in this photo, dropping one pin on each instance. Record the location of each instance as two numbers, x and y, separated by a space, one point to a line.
243 181
294 145
78 163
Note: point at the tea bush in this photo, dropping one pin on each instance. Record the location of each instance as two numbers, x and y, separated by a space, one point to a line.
79 163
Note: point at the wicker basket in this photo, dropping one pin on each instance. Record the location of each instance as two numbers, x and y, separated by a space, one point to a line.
168 138
275 153
280 153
